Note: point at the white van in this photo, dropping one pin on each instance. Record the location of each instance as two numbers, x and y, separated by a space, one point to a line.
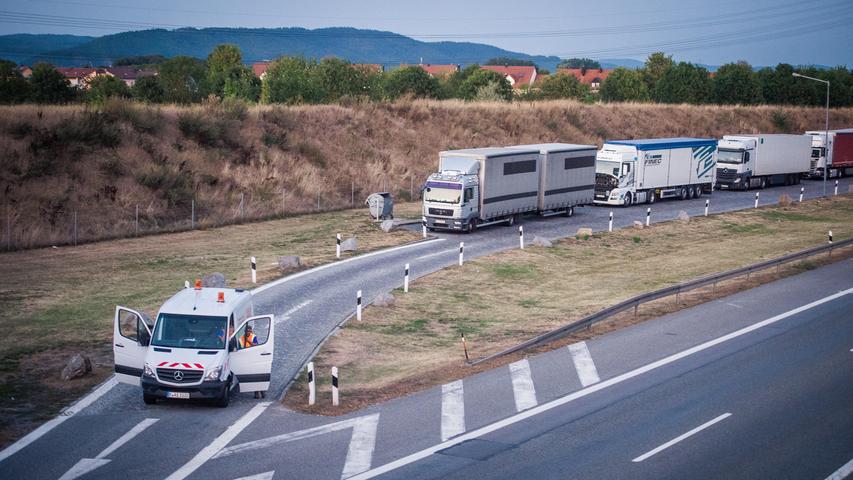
204 343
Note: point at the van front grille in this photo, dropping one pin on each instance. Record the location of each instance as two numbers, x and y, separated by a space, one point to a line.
185 376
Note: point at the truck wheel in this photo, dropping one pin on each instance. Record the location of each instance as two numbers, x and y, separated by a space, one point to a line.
690 192
746 183
510 221
149 399
650 197
683 193
763 184
472 226
698 191
628 200
569 212
225 398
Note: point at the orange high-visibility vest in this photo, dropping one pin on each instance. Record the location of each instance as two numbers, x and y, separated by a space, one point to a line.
247 341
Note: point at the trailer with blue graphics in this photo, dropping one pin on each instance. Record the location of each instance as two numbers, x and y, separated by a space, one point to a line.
628 172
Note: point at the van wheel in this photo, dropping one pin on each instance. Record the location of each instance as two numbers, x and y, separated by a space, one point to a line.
149 399
225 398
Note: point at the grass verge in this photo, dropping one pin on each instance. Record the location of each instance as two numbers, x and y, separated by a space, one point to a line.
501 300
58 301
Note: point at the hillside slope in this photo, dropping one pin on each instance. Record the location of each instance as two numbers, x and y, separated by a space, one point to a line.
228 163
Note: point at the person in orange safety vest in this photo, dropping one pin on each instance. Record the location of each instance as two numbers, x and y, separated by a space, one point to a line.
248 339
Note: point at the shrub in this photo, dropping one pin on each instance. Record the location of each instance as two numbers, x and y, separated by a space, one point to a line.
780 121
174 186
311 153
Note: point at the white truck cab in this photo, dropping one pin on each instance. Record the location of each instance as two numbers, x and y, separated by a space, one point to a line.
204 343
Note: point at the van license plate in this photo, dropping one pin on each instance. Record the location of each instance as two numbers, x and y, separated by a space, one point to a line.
185 395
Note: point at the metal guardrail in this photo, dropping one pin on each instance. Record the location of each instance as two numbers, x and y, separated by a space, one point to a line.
635 302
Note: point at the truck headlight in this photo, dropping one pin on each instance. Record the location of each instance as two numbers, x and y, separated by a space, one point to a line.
213 374
147 371
737 180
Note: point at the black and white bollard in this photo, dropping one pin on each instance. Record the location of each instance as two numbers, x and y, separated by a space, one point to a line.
312 390
707 204
521 237
756 200
461 248
335 397
830 236
836 188
648 216
610 223
186 284
406 280
423 225
802 190
254 270
338 246
358 305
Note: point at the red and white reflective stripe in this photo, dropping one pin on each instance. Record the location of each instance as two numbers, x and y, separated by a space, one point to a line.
181 364
162 363
198 365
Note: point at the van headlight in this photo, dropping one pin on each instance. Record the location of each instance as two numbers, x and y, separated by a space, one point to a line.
213 374
147 371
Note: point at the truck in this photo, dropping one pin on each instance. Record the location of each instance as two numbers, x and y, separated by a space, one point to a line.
628 172
203 344
762 160
485 186
840 153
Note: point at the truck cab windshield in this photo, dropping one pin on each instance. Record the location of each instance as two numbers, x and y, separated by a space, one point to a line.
817 152
608 168
443 193
189 331
729 156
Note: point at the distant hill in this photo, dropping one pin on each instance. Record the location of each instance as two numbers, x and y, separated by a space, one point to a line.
367 46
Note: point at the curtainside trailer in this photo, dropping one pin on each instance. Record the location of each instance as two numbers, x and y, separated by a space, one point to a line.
839 153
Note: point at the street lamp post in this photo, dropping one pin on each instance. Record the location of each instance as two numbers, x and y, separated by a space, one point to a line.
826 129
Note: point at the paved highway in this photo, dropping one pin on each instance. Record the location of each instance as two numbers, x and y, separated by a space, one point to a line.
116 425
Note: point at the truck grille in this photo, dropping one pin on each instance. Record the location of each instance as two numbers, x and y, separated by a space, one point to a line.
444 212
187 376
726 175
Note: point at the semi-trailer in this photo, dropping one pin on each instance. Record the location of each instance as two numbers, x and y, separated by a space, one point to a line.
484 186
761 160
839 153
641 171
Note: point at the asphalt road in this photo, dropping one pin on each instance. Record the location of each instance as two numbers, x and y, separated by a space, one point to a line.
309 307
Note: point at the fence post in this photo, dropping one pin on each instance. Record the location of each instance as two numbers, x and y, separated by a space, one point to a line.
318 201
335 396
461 248
610 223
412 188
8 228
406 280
756 200
707 204
521 237
648 216
242 208
192 215
137 219
312 391
358 305
352 194
254 270
802 190
75 227
338 246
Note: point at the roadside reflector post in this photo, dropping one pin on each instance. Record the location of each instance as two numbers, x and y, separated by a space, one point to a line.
358 305
521 237
830 236
338 246
406 279
254 270
461 250
610 223
312 390
836 188
648 216
335 397
707 204
802 190
423 225
464 346
756 200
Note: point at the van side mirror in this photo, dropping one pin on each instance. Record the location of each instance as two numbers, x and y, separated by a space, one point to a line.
232 344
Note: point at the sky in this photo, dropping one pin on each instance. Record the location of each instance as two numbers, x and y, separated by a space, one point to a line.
762 32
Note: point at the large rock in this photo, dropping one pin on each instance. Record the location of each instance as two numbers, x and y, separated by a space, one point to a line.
349 245
289 262
584 232
387 225
214 280
683 216
77 366
638 225
384 300
542 242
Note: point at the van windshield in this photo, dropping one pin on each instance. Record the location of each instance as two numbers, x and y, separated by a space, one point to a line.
189 331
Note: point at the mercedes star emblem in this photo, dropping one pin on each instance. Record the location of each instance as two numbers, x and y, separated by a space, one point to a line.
179 375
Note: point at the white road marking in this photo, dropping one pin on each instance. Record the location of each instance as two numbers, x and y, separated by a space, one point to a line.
209 451
86 465
681 437
361 445
733 305
278 282
522 385
584 365
842 472
519 417
69 412
287 314
437 253
452 410
260 476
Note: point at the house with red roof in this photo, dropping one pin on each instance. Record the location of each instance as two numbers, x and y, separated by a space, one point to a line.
260 69
519 76
129 74
79 77
437 70
588 76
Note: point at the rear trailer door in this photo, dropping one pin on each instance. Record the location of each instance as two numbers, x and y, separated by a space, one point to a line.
251 358
131 336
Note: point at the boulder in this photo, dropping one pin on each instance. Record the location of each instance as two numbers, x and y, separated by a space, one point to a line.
784 200
542 242
349 245
214 280
683 216
387 225
77 366
289 262
384 300
584 232
638 225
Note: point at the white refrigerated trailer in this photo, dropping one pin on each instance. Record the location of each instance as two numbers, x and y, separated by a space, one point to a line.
761 160
641 171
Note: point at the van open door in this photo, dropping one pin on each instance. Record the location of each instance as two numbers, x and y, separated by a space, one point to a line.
251 353
131 336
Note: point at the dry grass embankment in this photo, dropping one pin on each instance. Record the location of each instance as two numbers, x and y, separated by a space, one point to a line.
504 299
56 302
103 163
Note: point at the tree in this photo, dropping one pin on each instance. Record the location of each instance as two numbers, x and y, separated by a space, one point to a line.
13 87
624 85
562 86
504 61
228 77
290 80
481 78
579 63
103 87
655 66
139 60
338 78
683 83
147 89
413 81
183 80
50 86
736 83
449 85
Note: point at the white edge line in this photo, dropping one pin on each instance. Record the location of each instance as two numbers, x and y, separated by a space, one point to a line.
66 413
361 446
275 283
681 437
435 254
589 390
842 472
209 451
136 430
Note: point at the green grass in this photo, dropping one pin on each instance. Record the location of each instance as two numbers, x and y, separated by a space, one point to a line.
509 271
780 216
747 228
